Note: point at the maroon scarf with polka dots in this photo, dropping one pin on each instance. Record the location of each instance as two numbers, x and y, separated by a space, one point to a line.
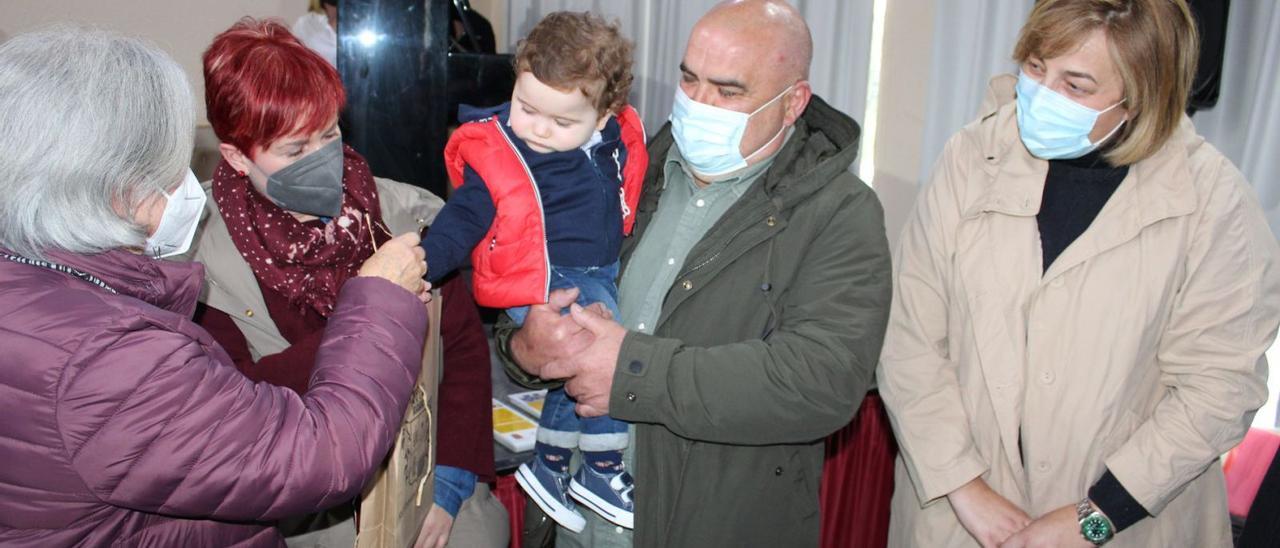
305 262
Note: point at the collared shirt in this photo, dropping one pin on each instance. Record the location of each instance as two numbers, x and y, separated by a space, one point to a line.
685 213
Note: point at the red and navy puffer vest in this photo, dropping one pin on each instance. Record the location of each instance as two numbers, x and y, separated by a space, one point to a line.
511 265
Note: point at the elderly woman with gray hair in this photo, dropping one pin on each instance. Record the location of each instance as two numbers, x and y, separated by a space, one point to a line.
125 422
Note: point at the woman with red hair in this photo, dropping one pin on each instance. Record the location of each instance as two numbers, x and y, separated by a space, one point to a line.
293 212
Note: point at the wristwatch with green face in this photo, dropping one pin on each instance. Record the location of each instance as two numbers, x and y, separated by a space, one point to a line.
1095 527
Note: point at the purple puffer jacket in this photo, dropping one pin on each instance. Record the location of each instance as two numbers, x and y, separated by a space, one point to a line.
125 424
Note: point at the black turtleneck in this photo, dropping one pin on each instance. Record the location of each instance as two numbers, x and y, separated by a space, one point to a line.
1074 192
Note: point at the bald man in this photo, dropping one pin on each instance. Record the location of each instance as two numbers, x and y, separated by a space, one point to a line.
754 299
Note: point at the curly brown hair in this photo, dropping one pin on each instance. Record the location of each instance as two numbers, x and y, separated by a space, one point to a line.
568 50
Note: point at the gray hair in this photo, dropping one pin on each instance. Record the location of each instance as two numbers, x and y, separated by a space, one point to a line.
92 123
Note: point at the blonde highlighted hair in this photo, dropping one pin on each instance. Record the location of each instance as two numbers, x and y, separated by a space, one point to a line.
1154 46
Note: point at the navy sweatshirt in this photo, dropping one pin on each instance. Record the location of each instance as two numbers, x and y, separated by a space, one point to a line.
581 201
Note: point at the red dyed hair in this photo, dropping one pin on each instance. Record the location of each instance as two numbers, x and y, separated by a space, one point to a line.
261 84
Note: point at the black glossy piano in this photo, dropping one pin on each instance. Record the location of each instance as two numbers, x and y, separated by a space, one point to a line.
407 65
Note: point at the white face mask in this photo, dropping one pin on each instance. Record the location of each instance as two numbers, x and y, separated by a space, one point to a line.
710 137
179 221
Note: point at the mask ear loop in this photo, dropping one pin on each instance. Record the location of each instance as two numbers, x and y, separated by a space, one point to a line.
1118 103
780 95
781 130
767 143
1116 129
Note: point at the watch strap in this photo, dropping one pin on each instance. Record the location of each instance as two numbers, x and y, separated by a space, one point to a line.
1089 515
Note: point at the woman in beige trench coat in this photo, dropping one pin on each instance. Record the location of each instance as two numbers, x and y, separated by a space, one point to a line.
1084 295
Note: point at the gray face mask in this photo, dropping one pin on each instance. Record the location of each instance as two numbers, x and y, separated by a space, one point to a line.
311 185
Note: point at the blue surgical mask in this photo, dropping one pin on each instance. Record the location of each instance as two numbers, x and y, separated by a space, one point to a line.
710 138
1054 127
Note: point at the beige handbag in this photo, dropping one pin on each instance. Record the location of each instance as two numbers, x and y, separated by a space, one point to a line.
398 497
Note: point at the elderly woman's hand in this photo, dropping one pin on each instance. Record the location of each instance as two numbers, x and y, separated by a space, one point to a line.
401 261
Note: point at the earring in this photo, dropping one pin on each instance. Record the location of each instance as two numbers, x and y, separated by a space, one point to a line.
240 174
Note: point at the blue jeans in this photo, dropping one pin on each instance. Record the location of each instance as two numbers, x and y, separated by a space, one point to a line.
559 425
596 284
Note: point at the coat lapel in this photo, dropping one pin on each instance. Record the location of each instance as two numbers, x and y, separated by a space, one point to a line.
1157 188
997 256
995 282
231 287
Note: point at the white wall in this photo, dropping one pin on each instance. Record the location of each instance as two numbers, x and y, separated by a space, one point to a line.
900 126
184 28
496 12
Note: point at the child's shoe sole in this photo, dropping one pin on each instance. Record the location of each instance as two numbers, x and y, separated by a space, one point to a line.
608 511
567 517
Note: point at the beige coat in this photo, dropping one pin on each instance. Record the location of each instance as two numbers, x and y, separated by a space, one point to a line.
1139 350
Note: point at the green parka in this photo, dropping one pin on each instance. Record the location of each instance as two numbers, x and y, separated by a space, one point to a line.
767 342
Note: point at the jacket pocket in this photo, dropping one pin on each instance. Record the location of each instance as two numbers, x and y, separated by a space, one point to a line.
483 258
509 257
805 485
